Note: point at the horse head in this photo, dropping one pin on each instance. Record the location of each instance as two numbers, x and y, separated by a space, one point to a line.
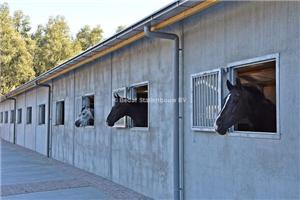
85 118
238 105
118 111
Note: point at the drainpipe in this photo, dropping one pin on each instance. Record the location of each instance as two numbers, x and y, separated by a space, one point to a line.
49 115
176 117
15 113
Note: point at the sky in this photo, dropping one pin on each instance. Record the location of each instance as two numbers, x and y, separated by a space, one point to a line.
109 14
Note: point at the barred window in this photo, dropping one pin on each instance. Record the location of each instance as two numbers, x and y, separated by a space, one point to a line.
29 115
60 113
206 99
12 116
42 114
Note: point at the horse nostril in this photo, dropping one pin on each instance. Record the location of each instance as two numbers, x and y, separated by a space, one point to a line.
109 124
77 123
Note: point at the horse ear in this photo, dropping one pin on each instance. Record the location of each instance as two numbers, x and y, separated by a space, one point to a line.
116 95
229 85
238 83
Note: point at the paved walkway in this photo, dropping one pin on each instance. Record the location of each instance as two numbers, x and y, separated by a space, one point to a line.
28 175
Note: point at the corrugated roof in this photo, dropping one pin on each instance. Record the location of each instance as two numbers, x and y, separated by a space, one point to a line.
156 19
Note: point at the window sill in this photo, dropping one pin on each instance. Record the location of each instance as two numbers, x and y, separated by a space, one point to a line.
139 129
87 127
203 129
260 135
119 127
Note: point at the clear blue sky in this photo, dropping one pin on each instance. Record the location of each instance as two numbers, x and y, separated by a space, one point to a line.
106 13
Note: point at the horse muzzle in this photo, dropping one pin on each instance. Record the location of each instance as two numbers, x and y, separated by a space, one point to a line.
77 123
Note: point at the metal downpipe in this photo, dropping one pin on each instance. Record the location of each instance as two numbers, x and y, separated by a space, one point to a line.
176 117
49 115
15 113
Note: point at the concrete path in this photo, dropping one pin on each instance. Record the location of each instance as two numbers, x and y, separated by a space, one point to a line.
28 175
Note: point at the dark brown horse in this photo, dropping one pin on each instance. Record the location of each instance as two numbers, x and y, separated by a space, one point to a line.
136 110
246 103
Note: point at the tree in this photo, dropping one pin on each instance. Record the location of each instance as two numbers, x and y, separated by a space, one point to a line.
54 44
15 60
22 23
88 37
120 28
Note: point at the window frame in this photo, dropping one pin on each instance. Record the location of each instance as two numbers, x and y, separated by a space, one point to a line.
134 85
6 117
244 63
220 93
40 122
19 116
64 117
12 116
1 117
125 124
27 115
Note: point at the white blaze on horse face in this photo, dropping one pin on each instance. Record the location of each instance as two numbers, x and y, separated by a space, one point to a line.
226 101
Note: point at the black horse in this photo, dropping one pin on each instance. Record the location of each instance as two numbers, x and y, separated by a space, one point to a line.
136 110
246 102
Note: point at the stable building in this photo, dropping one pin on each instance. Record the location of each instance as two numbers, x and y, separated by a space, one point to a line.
178 155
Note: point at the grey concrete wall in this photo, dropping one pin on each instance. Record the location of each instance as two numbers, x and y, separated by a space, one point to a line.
218 167
142 160
32 136
138 159
30 129
41 130
62 135
20 128
6 129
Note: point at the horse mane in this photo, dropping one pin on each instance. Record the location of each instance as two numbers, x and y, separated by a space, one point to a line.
257 93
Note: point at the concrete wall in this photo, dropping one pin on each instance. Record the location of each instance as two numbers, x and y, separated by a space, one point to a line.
30 129
218 167
41 130
20 127
32 136
138 159
6 129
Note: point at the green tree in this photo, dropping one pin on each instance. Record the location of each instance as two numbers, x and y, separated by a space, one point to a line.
22 23
15 60
54 44
88 37
120 28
